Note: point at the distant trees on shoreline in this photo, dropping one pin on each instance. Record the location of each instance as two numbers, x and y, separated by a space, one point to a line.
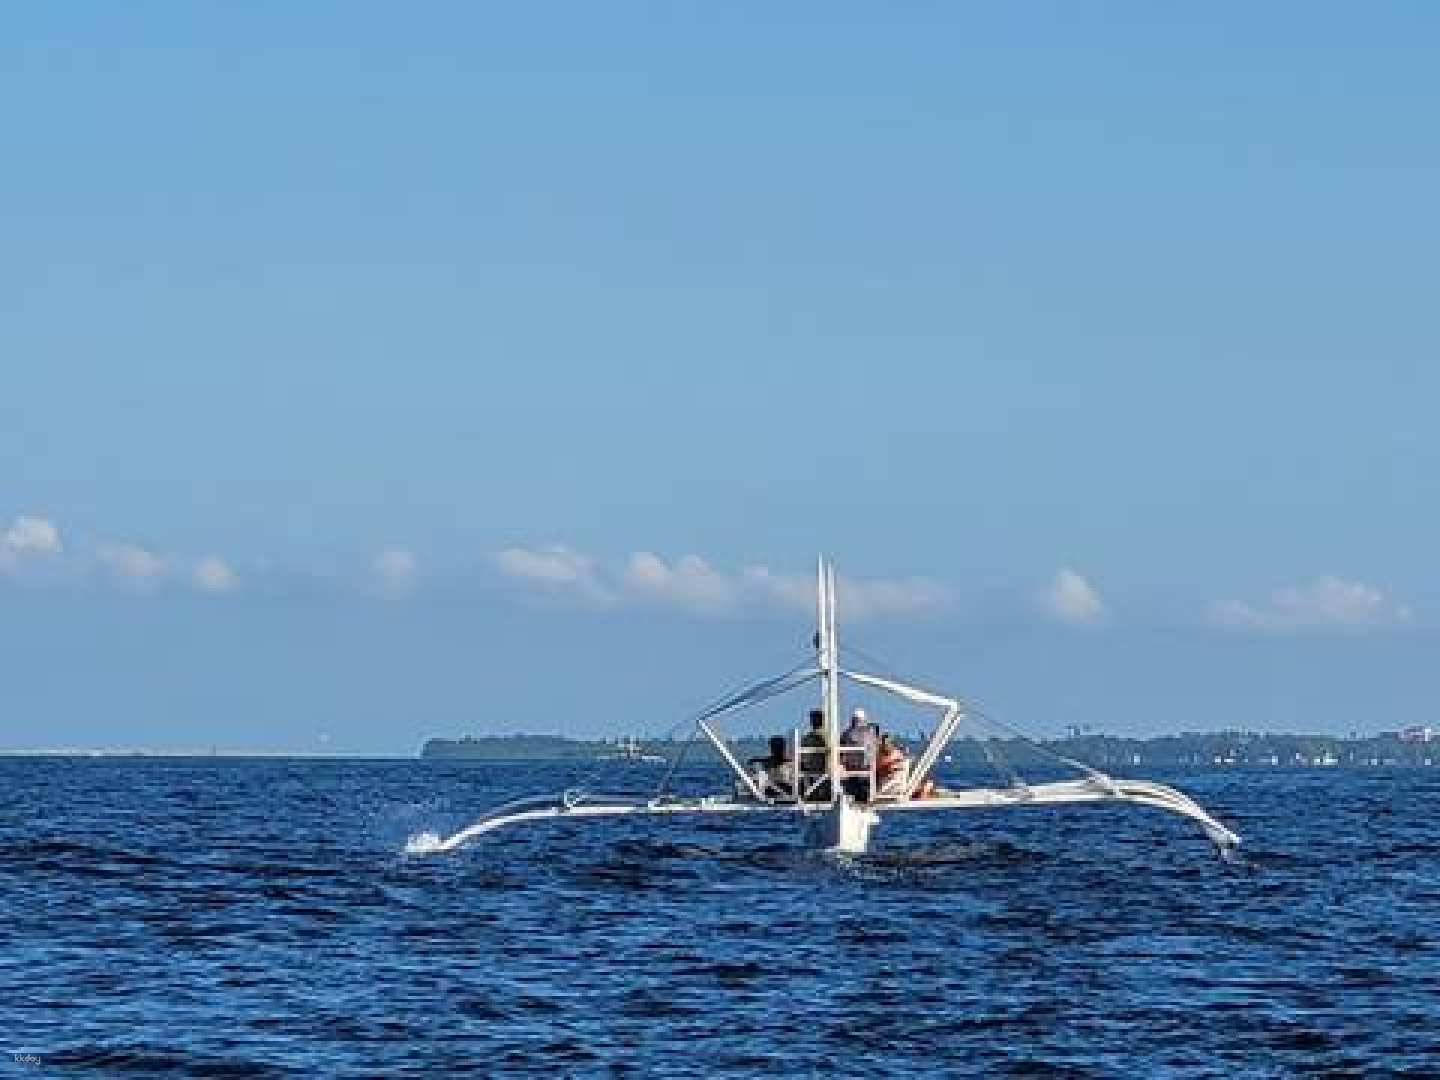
1233 747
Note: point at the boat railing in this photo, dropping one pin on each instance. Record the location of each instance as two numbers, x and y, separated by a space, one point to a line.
811 781
811 769
865 771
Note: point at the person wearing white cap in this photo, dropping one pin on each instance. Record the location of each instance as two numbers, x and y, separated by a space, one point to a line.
858 734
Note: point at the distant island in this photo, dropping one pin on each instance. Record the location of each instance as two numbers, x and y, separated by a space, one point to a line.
1413 747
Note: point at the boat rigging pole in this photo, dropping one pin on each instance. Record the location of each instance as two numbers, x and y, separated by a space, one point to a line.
828 662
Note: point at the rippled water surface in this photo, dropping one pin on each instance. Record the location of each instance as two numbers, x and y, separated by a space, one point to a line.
256 918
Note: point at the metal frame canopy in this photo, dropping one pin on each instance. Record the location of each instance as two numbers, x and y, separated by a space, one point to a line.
831 817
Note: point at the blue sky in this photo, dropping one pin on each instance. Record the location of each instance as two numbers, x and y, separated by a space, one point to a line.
367 374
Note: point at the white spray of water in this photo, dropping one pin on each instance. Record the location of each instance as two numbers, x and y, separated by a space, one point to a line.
429 843
425 843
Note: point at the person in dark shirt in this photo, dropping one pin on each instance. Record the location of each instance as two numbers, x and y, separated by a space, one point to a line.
861 736
773 774
815 760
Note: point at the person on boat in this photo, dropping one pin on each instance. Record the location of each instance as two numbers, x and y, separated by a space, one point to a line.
892 769
773 774
861 735
815 760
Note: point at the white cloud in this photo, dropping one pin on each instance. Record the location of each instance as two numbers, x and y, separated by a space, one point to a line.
691 584
1325 603
788 592
859 598
556 569
212 574
1070 598
133 564
883 599
28 537
396 569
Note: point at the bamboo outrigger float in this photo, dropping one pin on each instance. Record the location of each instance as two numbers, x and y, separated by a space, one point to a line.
831 817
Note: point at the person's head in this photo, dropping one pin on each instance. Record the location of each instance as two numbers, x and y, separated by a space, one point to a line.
817 719
857 718
777 748
887 740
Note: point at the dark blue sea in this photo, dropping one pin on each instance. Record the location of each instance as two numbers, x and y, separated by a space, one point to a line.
214 917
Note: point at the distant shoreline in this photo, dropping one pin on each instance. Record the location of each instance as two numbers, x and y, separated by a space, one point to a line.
1414 747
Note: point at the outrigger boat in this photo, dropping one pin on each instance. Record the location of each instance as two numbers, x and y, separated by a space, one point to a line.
823 799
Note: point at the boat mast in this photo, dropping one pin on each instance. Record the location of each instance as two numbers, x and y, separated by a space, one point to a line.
829 662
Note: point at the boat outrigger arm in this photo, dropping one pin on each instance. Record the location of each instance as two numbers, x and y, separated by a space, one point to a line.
832 817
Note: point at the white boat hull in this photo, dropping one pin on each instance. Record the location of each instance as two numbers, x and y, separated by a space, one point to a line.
843 828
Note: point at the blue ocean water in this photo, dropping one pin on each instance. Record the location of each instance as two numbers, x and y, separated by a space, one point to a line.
213 917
